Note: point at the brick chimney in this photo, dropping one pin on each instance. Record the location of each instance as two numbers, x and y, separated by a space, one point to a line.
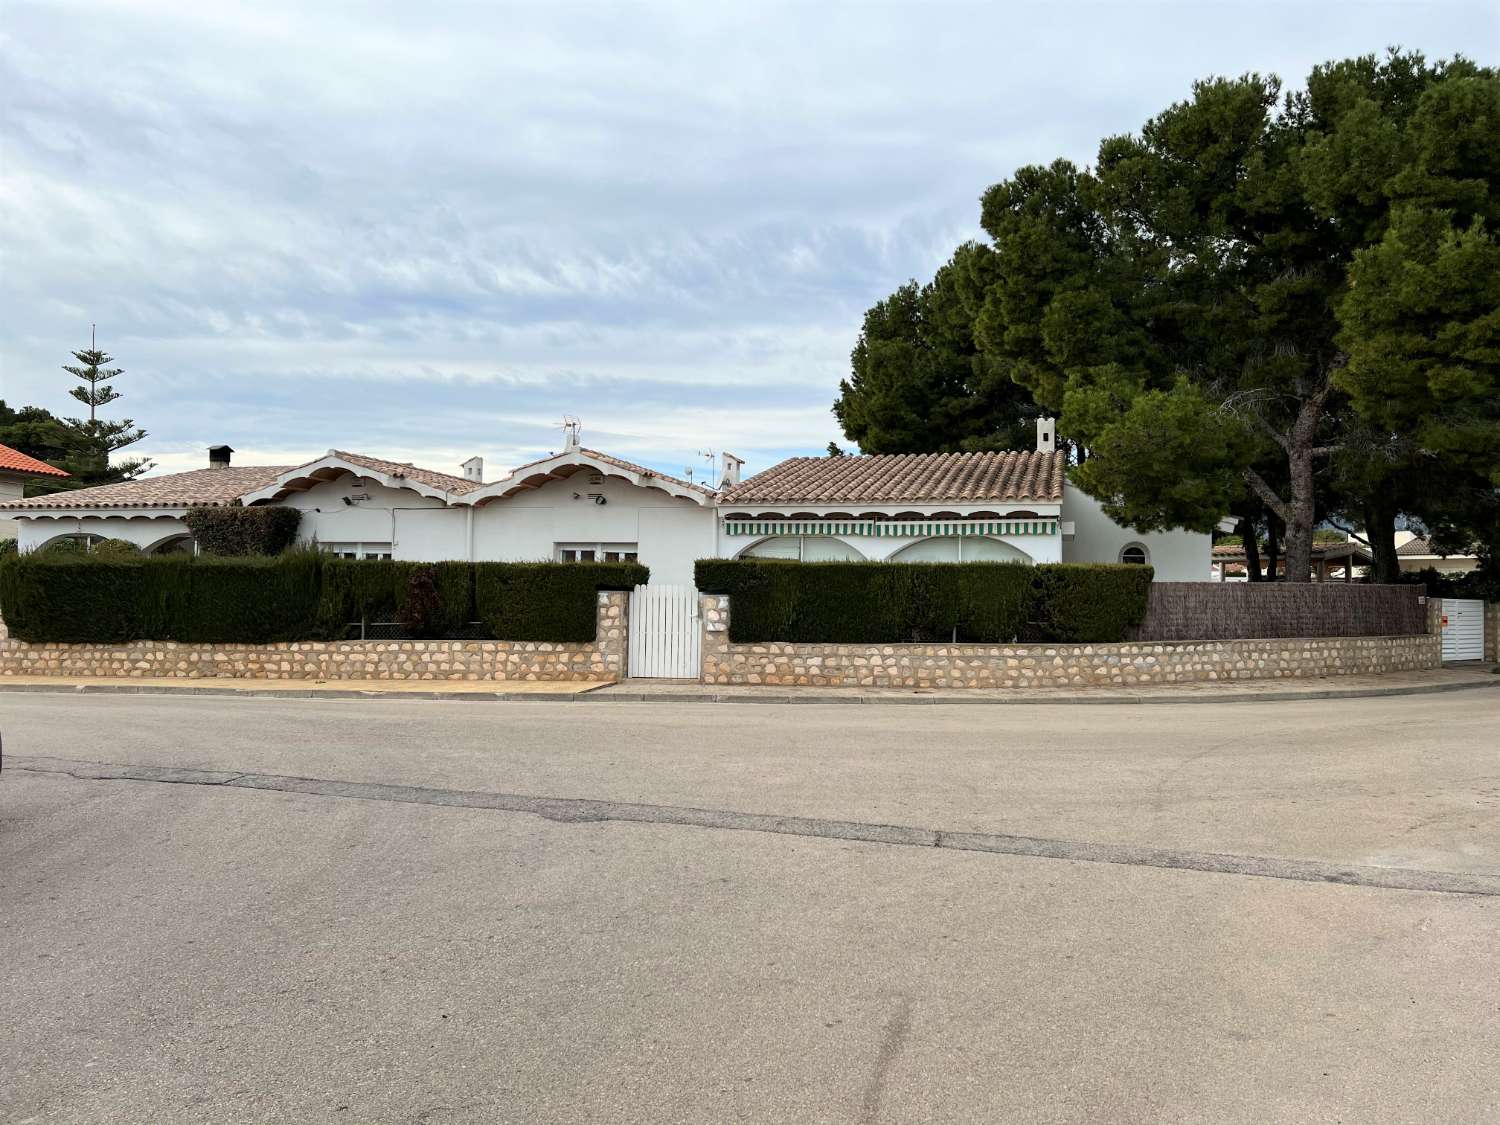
1046 435
218 456
473 469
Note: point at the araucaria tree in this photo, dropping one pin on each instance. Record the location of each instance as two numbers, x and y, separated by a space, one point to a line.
94 439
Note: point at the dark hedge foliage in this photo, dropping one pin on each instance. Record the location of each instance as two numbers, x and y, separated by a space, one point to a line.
300 595
1088 603
355 590
870 602
548 601
889 603
172 598
238 532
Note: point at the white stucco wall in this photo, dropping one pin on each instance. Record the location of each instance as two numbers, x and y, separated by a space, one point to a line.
11 488
1036 548
671 533
326 518
1178 556
144 529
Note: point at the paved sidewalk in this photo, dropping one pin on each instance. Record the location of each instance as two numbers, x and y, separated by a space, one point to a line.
1454 678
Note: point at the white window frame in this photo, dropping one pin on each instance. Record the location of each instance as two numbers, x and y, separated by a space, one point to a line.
1141 547
628 552
358 550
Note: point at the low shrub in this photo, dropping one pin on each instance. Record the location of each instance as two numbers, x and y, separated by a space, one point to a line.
237 532
548 601
889 603
116 549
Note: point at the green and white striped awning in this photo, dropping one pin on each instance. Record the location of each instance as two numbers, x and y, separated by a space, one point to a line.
894 529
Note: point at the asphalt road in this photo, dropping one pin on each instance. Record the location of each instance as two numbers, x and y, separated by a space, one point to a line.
259 910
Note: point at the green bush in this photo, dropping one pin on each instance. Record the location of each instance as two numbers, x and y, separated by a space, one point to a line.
888 603
1088 603
300 595
237 532
116 549
548 601
870 602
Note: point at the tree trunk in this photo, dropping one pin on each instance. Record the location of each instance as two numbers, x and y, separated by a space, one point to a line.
1300 510
1246 528
1273 548
1380 532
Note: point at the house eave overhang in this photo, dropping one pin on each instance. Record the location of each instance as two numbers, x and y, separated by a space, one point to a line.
332 467
564 465
115 511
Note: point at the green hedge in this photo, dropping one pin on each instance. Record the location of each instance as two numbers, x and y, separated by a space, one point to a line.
548 601
175 598
1088 603
297 596
889 603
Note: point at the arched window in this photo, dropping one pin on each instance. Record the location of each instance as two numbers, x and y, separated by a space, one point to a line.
960 548
1134 554
807 548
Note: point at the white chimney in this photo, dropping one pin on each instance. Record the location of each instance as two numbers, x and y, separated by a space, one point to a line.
473 469
571 442
731 474
1046 435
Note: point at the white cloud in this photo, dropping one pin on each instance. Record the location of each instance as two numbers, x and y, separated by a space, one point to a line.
428 230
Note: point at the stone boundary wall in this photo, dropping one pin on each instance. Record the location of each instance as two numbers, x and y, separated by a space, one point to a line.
603 659
1052 665
1200 611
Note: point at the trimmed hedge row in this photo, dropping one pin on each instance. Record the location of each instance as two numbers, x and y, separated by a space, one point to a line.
890 603
236 531
299 596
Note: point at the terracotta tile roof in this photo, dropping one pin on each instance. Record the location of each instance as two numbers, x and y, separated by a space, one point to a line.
907 478
446 482
209 487
14 461
1236 551
1423 548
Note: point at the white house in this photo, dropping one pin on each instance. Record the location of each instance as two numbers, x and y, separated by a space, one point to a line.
581 504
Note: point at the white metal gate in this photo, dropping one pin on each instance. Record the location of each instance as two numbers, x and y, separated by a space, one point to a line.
665 632
1463 629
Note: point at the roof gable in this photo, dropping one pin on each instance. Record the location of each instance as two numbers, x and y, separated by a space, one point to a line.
534 474
336 463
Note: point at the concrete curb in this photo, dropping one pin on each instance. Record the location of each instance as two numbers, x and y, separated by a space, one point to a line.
798 698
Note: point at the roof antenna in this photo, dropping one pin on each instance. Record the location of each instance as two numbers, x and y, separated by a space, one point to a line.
570 427
713 467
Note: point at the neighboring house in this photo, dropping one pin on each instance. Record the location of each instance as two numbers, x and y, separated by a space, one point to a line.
1331 562
581 504
16 468
1414 552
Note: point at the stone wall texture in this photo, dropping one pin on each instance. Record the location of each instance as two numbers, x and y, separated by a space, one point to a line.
1051 665
604 659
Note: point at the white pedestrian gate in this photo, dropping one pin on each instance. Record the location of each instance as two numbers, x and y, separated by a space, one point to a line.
665 632
1463 629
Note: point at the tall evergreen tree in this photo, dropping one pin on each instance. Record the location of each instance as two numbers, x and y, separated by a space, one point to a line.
94 439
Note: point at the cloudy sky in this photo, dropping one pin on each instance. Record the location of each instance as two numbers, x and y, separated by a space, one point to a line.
426 231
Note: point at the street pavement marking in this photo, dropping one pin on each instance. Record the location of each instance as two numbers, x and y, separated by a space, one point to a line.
572 810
